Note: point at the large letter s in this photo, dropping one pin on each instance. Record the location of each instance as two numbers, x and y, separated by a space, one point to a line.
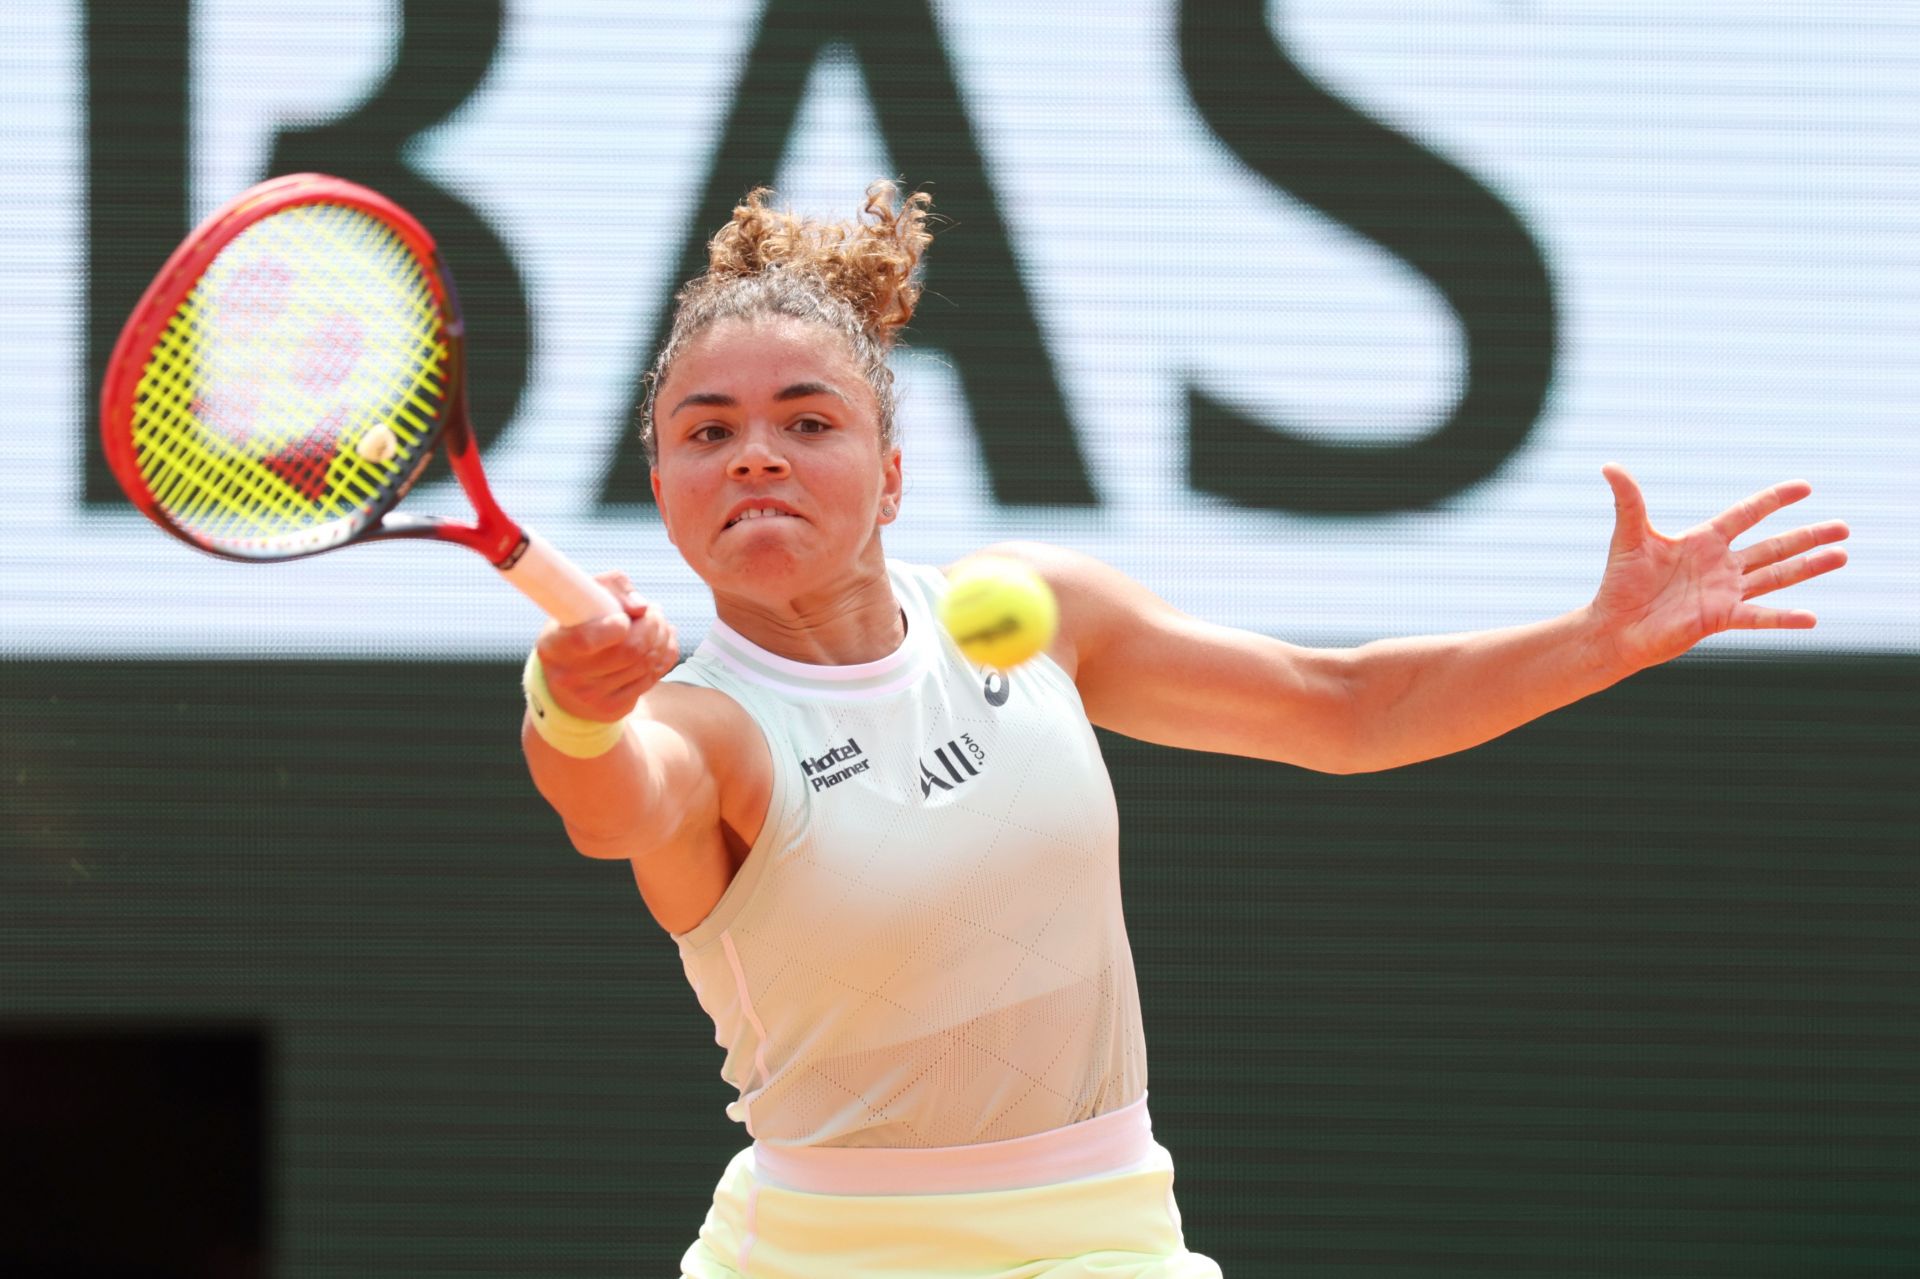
1409 200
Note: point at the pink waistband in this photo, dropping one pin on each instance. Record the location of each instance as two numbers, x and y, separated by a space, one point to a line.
1118 1141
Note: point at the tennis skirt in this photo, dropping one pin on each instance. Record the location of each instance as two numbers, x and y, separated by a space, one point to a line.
1093 1200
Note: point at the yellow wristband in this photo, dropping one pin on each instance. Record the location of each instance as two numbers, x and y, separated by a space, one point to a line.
568 734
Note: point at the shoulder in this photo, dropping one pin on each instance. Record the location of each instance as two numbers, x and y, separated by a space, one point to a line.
711 720
689 705
702 733
1095 598
714 748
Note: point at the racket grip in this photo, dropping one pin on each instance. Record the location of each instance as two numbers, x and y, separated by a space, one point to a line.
560 587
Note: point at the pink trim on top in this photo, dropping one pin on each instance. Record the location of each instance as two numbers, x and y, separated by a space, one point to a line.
1118 1141
753 1227
753 1019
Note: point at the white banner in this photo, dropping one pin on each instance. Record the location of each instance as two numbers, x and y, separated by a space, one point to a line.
1726 199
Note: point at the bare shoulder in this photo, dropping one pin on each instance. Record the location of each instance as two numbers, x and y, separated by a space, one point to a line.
1146 669
691 710
721 742
714 762
1095 598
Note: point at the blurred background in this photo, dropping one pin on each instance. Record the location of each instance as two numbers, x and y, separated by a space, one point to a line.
1319 318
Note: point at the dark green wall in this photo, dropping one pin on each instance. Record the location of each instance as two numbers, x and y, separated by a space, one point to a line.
1632 991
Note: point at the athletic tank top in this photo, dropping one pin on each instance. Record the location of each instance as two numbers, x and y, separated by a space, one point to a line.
925 945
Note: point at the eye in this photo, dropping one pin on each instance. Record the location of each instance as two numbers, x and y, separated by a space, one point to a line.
711 433
810 426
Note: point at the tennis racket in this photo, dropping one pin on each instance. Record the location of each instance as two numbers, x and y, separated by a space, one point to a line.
284 380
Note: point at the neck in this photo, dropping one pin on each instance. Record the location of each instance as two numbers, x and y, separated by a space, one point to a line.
855 620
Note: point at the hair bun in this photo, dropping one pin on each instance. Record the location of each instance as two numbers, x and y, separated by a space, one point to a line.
869 263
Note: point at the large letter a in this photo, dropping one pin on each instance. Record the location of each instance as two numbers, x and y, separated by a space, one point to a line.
976 309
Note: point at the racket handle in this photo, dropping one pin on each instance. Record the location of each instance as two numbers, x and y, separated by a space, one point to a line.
560 587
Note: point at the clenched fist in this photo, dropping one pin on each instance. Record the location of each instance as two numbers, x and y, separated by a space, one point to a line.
598 670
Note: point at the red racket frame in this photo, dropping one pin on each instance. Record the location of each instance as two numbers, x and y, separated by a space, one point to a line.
493 533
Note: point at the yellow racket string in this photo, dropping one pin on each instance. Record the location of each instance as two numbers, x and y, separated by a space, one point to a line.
297 383
205 480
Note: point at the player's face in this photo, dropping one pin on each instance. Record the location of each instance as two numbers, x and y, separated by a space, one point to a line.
770 472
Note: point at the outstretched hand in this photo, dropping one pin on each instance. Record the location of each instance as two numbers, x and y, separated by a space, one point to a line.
1662 595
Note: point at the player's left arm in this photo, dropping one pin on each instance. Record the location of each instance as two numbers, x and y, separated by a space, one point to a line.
1147 670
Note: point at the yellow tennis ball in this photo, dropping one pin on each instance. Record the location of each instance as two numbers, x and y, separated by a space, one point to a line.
378 445
998 610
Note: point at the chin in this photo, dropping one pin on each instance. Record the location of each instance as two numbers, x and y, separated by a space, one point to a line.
759 566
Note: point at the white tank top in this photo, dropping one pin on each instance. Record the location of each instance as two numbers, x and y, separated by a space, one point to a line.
925 945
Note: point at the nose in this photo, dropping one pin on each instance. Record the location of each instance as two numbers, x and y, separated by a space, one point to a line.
757 456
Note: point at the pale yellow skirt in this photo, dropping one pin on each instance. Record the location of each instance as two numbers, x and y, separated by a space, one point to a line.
1119 1225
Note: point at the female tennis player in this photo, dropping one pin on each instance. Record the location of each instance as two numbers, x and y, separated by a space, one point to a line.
892 876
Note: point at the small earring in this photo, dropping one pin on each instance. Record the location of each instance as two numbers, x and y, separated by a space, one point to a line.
887 512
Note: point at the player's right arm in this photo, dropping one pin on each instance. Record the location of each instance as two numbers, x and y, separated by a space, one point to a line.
683 791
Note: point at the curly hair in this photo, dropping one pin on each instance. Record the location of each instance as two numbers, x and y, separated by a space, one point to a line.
857 278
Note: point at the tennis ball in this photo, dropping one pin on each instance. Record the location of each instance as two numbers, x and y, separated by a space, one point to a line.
378 445
998 610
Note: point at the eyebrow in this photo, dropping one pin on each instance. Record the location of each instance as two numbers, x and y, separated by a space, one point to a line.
798 391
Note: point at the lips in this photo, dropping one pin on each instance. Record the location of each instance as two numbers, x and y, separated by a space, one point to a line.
758 510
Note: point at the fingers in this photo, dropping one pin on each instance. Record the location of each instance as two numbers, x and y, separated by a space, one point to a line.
1751 617
1775 549
573 645
608 690
1776 577
1629 508
1769 566
631 691
595 645
1743 515
658 647
600 669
